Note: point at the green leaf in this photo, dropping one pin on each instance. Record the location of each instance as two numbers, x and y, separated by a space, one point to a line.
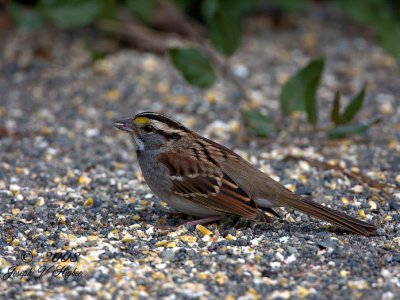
310 100
335 117
343 131
142 9
29 19
223 20
71 13
194 66
258 123
299 92
353 107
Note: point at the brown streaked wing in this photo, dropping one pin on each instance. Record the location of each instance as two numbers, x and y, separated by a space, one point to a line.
205 184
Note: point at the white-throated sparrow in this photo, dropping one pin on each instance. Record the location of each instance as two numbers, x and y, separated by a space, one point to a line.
199 177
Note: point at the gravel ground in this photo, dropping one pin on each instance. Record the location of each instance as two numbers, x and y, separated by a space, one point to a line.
70 183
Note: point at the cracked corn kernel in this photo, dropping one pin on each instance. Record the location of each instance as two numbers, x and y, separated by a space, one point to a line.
60 219
230 237
252 291
211 97
171 245
130 200
70 173
303 179
362 214
202 276
291 187
388 218
303 292
309 40
358 284
161 243
136 217
203 230
39 201
118 165
162 87
344 200
15 211
333 186
112 95
372 205
19 170
234 126
187 238
83 180
332 162
127 238
88 202
344 273
220 278
157 275
357 188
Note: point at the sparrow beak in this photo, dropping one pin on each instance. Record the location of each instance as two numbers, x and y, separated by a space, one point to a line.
125 125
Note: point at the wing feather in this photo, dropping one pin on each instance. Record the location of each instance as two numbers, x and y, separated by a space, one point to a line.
204 183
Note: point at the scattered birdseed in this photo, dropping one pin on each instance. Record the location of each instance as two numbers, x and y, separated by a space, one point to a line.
64 151
357 189
83 180
88 202
203 230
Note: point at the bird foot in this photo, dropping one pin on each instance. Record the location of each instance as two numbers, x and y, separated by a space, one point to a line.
203 221
176 214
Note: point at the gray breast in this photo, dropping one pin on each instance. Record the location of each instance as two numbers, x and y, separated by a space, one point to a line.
155 174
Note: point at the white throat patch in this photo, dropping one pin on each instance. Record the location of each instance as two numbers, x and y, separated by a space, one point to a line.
139 143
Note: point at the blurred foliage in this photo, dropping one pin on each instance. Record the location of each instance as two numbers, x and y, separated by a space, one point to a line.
382 15
222 20
351 110
221 17
344 131
25 19
259 124
199 71
299 94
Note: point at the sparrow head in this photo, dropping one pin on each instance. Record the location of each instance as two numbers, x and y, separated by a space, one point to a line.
152 131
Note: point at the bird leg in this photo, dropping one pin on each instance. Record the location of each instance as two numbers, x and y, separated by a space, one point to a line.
203 221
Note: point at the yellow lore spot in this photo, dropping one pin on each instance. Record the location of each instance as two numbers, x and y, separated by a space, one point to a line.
141 120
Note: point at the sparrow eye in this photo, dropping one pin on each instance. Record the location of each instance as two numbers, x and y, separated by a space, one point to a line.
148 128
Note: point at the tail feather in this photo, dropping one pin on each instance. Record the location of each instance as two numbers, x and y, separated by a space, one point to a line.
330 215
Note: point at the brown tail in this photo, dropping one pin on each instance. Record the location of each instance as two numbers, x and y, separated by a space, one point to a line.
330 215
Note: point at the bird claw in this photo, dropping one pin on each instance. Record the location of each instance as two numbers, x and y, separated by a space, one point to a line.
203 221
